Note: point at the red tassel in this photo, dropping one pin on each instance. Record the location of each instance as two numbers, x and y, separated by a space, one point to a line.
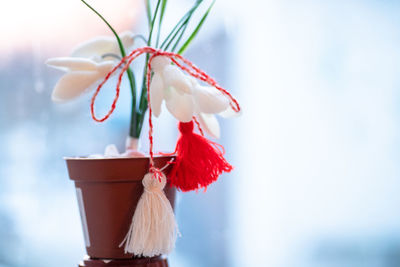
199 161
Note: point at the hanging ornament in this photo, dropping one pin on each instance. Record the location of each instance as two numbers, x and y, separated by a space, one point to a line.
153 230
199 161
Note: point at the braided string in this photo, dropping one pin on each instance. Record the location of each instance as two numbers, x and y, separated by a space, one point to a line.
198 125
180 62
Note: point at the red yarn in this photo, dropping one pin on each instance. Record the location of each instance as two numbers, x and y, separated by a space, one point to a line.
205 159
199 161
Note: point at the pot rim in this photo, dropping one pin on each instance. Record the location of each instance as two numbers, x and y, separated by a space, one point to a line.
83 169
86 158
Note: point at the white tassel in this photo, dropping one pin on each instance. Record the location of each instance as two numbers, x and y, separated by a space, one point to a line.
153 230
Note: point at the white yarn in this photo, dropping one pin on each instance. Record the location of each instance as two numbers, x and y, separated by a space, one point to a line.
153 230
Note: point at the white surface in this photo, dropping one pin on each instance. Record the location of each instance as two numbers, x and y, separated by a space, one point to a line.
83 216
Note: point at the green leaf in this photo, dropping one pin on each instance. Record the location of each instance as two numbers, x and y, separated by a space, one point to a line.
121 47
163 6
181 23
141 37
177 27
179 38
181 29
148 12
143 93
196 30
152 23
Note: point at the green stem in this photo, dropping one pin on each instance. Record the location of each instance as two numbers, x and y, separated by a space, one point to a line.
196 30
143 95
181 23
141 37
138 111
163 6
179 38
152 23
131 76
148 12
181 29
176 28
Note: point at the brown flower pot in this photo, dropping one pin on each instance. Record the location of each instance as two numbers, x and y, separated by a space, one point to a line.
108 191
143 262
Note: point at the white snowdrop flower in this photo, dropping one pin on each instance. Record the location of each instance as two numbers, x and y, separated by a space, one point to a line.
208 102
210 124
185 97
209 99
169 83
81 73
180 105
171 75
103 47
89 62
230 113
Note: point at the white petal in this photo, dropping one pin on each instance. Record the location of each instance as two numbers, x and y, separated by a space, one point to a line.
156 93
159 63
127 40
99 46
96 47
230 113
73 84
209 124
111 151
181 106
193 81
105 67
173 76
70 63
209 99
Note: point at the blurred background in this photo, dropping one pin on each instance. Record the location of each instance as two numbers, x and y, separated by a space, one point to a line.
316 151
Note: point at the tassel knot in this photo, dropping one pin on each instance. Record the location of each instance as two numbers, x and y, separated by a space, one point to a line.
186 127
154 183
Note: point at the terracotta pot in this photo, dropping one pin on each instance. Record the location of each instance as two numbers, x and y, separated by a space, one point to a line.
108 191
